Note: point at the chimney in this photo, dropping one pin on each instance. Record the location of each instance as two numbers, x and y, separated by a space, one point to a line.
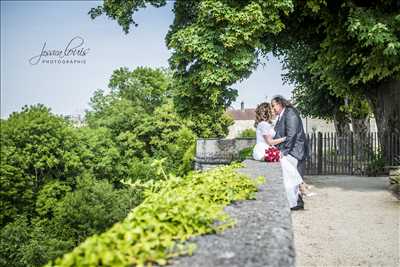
242 106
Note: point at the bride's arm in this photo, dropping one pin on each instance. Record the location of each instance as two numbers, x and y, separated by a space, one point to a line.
272 142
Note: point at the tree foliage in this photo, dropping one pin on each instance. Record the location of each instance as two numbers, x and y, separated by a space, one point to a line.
65 219
143 86
215 43
59 185
123 11
142 120
37 147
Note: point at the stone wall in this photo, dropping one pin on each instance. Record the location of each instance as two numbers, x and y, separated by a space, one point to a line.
213 152
262 235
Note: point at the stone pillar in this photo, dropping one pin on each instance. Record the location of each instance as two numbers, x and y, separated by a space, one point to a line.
213 152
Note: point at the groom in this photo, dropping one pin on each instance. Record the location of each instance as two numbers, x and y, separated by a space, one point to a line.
289 124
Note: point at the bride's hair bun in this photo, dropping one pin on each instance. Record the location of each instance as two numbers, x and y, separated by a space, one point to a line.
263 113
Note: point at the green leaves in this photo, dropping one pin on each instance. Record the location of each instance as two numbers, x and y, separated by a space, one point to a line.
216 43
144 122
143 86
315 5
65 218
370 27
42 158
123 11
48 197
219 48
377 32
159 228
37 147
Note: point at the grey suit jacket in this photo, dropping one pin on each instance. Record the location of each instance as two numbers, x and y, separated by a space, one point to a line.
291 126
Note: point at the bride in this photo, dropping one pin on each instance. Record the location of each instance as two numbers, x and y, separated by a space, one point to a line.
264 131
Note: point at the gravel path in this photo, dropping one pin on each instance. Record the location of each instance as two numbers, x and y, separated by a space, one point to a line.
351 221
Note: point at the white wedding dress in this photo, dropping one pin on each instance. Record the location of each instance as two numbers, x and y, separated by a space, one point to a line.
291 176
263 128
291 179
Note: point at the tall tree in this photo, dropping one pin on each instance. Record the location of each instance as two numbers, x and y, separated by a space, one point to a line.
357 53
143 86
218 42
315 99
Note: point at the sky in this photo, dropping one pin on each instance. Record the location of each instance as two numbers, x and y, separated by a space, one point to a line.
28 27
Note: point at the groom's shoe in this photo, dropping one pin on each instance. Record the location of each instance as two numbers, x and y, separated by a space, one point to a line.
300 201
297 208
300 204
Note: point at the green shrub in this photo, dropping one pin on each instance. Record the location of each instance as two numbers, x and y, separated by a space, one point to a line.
92 208
169 137
66 219
246 153
248 133
173 211
188 159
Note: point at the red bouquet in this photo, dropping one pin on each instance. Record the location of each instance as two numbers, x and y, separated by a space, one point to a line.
272 154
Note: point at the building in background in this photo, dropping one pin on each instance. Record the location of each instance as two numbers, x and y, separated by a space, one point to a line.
243 119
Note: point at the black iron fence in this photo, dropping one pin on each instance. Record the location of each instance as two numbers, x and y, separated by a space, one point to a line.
352 155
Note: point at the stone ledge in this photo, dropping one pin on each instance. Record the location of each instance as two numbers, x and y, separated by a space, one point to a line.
263 234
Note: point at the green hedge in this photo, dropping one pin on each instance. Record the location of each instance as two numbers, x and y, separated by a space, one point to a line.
248 133
174 210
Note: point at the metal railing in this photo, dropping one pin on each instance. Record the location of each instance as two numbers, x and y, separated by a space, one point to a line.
351 155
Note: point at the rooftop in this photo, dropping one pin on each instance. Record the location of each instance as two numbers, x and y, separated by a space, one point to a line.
245 114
